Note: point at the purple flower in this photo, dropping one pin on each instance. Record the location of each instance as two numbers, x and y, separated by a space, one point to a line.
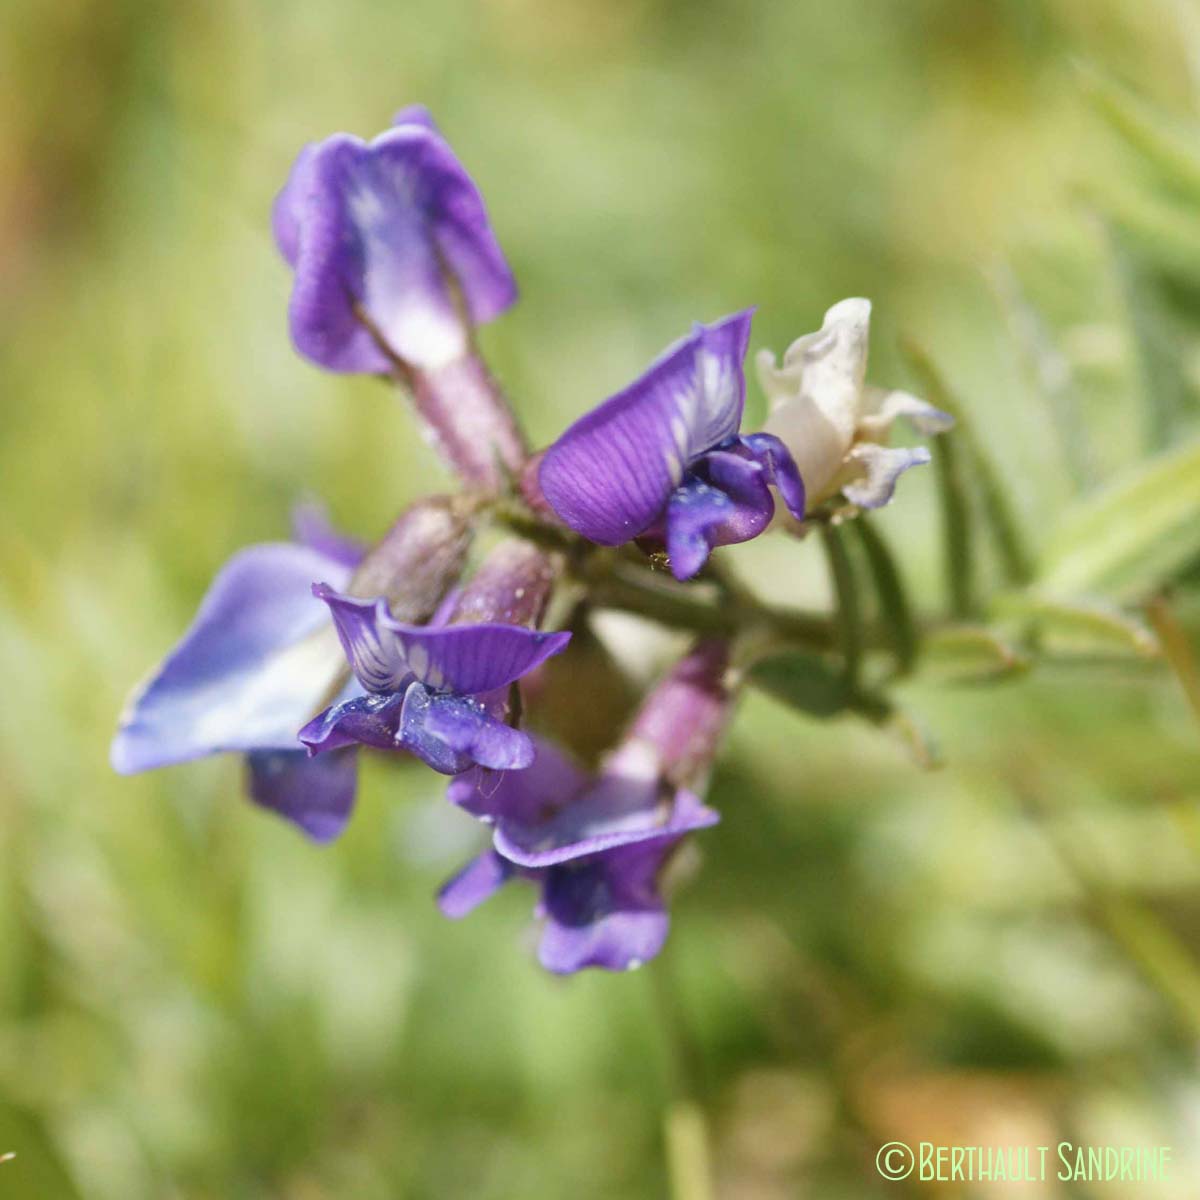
594 845
262 656
664 458
395 264
437 692
390 242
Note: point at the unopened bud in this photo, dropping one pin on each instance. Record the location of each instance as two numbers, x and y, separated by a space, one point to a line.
683 718
418 560
512 587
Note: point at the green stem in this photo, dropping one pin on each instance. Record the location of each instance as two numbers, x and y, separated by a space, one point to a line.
849 613
956 532
1163 959
685 1128
615 584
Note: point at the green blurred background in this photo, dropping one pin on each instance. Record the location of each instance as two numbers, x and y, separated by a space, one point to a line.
196 1003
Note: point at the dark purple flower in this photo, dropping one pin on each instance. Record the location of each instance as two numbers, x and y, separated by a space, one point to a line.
437 692
262 656
390 241
596 845
664 457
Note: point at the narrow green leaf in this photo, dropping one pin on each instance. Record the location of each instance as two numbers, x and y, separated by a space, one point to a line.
1162 143
1082 625
1163 233
959 562
960 654
1132 537
1016 562
894 608
1167 396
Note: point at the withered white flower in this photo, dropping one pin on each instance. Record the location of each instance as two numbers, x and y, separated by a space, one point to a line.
834 423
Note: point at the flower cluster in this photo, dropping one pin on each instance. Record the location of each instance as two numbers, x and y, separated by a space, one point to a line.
304 652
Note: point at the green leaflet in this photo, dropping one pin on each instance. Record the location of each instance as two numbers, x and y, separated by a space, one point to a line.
1132 536
1167 396
970 654
1079 625
816 684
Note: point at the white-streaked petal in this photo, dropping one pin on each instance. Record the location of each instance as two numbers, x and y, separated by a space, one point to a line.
259 659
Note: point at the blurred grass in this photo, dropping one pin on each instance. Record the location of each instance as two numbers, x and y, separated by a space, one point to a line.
194 1003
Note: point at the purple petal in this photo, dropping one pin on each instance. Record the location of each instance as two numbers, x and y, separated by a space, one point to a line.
611 474
478 880
725 501
781 470
605 912
248 673
697 510
381 226
317 795
373 652
312 527
290 205
415 114
881 467
465 659
372 720
452 733
522 796
616 812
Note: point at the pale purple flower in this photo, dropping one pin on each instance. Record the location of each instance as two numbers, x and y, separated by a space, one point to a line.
258 659
262 656
391 233
664 459
395 263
